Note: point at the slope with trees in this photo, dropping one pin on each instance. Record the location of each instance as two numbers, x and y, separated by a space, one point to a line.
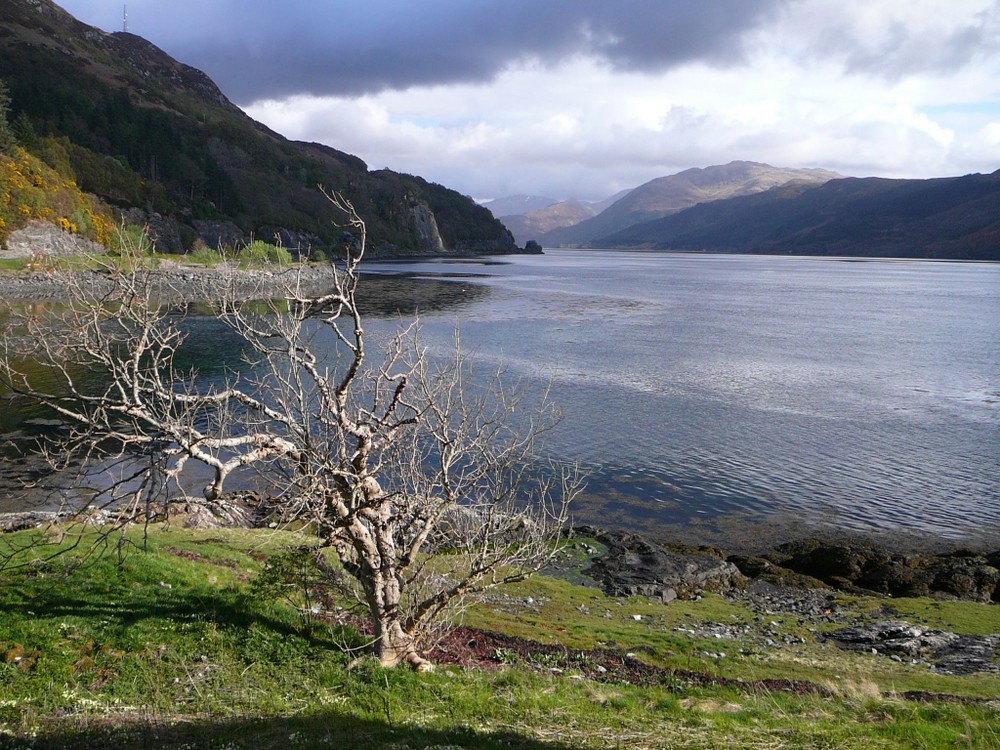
141 130
32 191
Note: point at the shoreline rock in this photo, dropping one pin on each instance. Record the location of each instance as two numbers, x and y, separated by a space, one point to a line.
634 565
944 651
868 567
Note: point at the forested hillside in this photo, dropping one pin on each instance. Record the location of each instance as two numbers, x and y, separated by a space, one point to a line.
143 131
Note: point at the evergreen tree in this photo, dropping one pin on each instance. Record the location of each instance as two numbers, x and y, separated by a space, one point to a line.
24 132
6 136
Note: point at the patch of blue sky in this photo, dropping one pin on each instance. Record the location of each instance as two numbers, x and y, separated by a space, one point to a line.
419 121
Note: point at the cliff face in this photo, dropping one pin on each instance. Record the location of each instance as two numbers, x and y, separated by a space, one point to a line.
142 130
427 229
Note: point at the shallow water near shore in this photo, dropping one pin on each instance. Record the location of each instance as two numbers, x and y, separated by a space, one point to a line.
710 392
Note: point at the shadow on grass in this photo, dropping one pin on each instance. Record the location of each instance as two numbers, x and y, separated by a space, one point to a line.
80 598
330 730
122 602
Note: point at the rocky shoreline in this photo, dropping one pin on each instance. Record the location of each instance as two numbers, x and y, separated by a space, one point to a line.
175 281
804 578
624 563
633 564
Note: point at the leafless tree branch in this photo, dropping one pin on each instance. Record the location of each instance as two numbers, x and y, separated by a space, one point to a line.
390 456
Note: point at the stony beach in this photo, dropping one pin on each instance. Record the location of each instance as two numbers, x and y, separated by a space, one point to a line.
176 281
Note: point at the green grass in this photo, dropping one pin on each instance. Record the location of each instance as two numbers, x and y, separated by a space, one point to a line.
204 256
13 264
175 648
67 263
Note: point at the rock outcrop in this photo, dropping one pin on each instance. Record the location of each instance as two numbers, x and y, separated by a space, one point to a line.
634 565
946 652
427 229
219 234
42 238
867 567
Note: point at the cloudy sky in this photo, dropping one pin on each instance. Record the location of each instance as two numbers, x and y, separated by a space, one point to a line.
582 98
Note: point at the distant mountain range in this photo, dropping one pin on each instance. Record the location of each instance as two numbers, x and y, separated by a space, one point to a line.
953 218
746 207
553 215
159 140
516 205
668 195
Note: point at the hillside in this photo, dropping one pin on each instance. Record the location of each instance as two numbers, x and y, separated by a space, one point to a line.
33 192
146 132
954 217
530 224
536 223
515 205
667 195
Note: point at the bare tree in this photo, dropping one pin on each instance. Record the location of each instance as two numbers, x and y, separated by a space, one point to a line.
384 454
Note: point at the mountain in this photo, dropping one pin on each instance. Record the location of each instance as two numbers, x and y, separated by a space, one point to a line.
528 226
667 195
159 140
515 205
536 223
952 217
603 205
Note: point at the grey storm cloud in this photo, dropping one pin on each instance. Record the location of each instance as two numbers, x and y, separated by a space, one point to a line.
259 49
900 51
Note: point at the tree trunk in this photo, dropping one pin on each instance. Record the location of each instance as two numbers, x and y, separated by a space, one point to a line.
395 646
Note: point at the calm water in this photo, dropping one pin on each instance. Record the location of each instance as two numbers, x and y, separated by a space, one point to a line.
698 388
865 394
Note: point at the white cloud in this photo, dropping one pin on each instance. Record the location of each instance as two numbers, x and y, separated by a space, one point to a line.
580 129
895 88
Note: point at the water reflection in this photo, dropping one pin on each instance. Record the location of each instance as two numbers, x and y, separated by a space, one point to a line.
389 294
212 350
697 387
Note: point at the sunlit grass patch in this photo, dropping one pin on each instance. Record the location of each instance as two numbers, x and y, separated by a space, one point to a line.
176 641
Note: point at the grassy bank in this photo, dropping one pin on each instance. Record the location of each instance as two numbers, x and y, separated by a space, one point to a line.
182 646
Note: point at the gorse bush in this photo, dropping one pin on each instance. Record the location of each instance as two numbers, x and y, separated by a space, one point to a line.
31 190
259 251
